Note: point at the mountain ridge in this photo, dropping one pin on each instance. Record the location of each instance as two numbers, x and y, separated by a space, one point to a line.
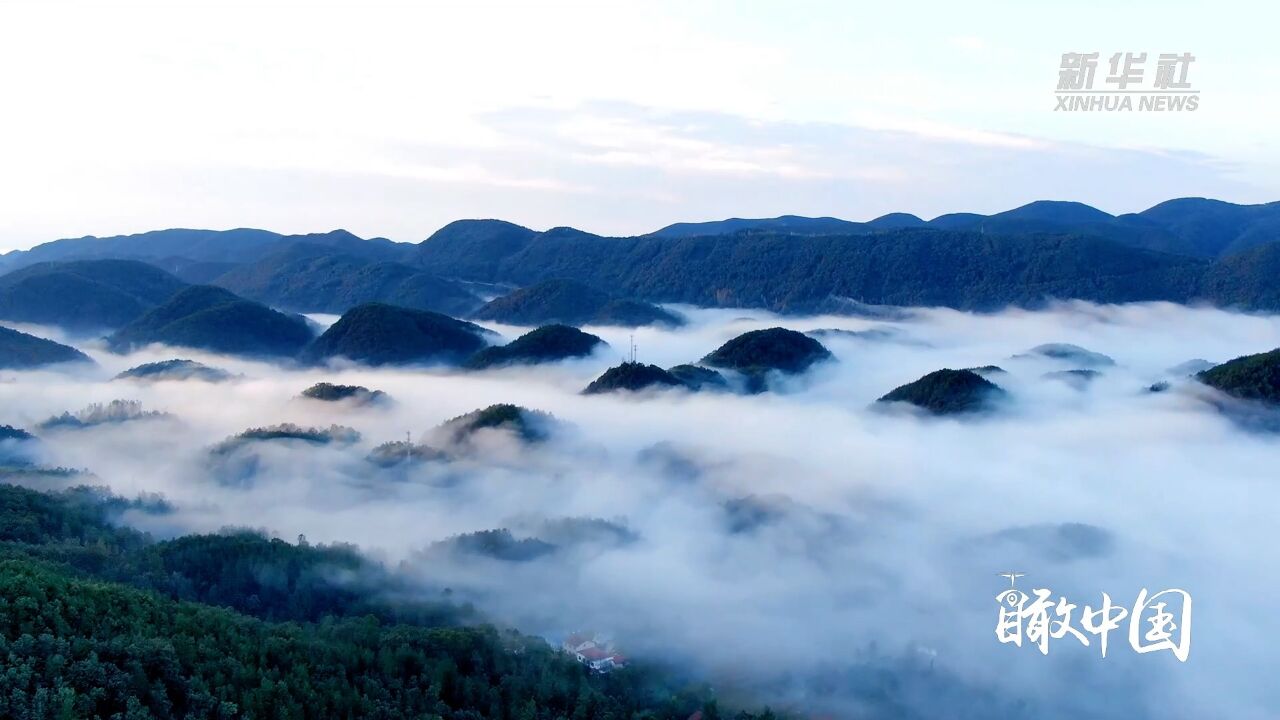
1182 250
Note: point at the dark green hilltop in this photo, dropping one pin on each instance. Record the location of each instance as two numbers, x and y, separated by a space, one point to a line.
84 294
758 353
1252 377
548 343
634 377
696 377
948 392
177 369
214 319
329 392
528 425
20 351
379 334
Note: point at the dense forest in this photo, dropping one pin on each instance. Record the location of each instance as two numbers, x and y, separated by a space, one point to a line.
100 621
20 351
1252 377
210 318
1183 250
948 392
572 303
548 343
378 334
796 273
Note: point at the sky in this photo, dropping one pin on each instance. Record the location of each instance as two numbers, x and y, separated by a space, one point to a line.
392 119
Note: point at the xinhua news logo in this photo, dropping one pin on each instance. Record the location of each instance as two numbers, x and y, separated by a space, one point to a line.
1124 88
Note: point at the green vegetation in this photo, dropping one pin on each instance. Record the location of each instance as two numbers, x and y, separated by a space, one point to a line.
472 248
329 392
402 452
116 411
794 224
377 334
15 448
634 377
211 245
544 539
1069 353
20 351
1252 377
804 273
1078 378
237 462
1210 228
696 377
1182 250
548 343
985 370
497 544
313 278
528 425
756 353
175 370
288 431
98 621
1186 226
210 318
1247 279
9 432
572 303
947 392
84 294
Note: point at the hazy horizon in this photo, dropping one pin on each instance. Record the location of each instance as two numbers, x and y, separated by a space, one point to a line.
589 230
391 119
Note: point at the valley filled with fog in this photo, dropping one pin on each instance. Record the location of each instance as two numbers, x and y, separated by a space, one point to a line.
807 546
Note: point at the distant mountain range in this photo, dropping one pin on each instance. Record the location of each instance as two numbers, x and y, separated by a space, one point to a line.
307 277
1196 227
1184 250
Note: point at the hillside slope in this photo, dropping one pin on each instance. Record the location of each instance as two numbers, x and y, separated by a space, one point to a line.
378 334
311 278
84 294
20 351
214 319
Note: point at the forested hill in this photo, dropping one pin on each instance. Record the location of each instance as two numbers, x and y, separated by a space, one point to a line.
1198 227
98 621
1184 250
803 273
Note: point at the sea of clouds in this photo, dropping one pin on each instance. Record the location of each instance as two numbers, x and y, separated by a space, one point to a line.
799 547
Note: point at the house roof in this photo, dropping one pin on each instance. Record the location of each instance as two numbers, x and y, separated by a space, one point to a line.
594 653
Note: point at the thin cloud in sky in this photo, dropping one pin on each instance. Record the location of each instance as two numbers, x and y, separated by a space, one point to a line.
394 119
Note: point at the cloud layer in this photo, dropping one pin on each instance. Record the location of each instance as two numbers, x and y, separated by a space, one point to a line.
799 547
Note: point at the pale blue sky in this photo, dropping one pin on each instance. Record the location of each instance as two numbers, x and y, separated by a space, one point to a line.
394 118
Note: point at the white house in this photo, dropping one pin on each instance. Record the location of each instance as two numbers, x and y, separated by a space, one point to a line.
594 652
